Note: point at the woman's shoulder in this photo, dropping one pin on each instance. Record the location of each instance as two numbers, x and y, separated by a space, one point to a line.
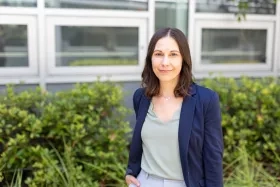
204 90
137 95
205 94
207 97
138 92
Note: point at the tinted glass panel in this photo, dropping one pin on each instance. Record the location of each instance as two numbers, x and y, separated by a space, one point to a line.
230 6
93 46
139 5
13 46
233 46
172 14
19 3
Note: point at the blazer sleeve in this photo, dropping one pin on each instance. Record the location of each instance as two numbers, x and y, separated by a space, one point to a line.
213 144
134 166
136 100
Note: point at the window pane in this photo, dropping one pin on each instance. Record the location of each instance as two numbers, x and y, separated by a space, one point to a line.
19 3
139 5
230 6
172 14
93 46
226 46
13 46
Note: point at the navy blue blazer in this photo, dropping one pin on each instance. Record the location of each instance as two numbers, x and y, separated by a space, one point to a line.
200 137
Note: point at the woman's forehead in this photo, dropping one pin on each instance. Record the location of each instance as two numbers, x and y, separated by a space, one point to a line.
166 44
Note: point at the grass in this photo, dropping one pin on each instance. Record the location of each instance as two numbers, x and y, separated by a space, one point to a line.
245 171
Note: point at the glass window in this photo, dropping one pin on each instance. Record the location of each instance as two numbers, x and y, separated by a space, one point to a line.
93 46
230 6
13 46
172 14
19 3
139 5
233 46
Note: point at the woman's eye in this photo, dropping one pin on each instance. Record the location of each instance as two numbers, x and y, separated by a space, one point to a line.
157 54
173 54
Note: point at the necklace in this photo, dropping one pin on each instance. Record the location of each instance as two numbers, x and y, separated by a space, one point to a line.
166 98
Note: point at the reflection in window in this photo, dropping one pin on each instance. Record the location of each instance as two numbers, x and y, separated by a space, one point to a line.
13 46
93 46
19 3
138 5
172 14
230 6
221 46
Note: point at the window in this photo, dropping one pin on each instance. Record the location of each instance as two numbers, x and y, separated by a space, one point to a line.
222 45
100 46
138 5
230 6
18 3
13 46
96 46
18 45
233 46
171 14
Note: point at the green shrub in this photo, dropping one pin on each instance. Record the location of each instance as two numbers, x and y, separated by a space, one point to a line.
250 118
89 120
246 171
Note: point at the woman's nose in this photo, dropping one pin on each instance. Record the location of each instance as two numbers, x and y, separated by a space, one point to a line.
165 60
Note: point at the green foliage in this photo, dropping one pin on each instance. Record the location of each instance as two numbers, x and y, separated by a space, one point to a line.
1 176
87 123
17 179
250 118
61 170
244 6
246 171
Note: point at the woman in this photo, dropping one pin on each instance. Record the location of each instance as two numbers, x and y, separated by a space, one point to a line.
177 140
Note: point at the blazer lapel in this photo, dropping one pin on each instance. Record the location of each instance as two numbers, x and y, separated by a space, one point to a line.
136 143
142 113
143 109
185 126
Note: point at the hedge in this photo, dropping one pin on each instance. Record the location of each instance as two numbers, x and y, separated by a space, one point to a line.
70 138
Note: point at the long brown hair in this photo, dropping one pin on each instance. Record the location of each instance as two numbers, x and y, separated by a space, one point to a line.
150 81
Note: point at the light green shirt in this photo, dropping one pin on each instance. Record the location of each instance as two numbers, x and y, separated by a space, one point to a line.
161 147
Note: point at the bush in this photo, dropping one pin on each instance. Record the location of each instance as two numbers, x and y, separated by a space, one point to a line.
88 120
246 171
250 118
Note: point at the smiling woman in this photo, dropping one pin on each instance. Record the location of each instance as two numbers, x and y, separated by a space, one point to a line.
167 60
168 50
177 140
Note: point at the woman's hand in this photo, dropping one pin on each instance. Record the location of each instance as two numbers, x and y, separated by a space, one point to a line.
129 179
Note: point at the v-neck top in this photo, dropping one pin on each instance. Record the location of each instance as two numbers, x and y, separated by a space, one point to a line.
160 144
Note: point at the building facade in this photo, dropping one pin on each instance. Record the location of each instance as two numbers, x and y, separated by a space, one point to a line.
54 43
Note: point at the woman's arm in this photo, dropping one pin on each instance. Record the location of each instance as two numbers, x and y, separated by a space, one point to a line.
213 144
134 163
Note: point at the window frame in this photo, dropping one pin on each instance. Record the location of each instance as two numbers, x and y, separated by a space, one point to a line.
32 45
233 24
53 21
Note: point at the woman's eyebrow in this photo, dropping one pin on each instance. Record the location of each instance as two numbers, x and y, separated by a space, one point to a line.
158 50
175 51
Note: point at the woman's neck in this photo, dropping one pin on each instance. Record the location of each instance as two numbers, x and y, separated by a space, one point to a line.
167 89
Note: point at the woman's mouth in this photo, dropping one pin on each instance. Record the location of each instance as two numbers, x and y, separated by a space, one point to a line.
164 71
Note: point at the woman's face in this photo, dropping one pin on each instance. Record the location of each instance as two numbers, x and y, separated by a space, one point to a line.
167 60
